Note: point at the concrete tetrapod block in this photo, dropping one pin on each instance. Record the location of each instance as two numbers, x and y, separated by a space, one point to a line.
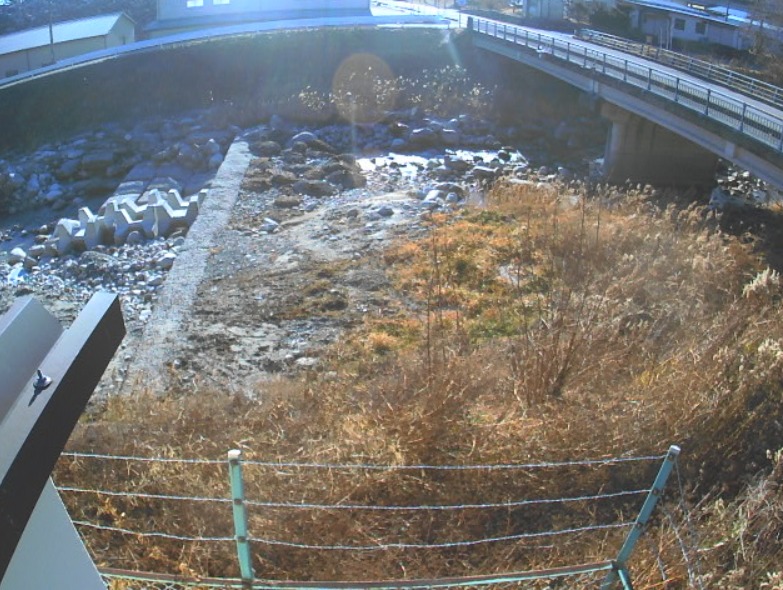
116 203
135 211
191 212
167 219
123 225
149 223
93 233
110 209
64 233
85 216
175 200
151 197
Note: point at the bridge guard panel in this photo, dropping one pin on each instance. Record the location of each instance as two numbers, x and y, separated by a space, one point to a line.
641 151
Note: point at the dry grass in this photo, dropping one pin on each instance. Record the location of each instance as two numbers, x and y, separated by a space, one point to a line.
548 326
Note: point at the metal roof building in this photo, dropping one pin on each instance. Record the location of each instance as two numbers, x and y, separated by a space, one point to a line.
176 16
42 46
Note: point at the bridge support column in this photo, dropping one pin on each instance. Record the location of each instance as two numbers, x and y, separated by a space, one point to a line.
641 151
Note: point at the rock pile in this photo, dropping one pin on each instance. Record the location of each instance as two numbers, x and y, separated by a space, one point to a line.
155 171
93 164
135 272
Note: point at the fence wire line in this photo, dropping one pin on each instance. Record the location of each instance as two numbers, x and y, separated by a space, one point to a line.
114 529
658 558
172 583
687 550
79 455
491 467
372 466
378 547
443 507
308 506
144 495
454 544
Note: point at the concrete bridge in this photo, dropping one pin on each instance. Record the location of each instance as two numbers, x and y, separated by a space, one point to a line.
668 126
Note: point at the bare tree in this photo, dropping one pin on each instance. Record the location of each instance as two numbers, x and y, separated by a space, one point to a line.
766 32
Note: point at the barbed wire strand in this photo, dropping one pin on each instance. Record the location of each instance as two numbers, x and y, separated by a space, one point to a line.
143 495
658 557
372 466
443 507
378 547
310 506
114 529
454 544
694 540
79 455
170 581
489 467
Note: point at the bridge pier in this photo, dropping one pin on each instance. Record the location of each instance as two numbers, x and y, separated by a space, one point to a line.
641 151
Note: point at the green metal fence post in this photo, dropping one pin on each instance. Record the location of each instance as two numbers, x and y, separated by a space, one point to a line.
240 517
620 570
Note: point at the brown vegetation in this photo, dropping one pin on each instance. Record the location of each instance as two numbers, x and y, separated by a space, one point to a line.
552 325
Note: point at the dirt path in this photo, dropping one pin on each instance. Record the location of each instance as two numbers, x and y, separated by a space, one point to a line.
243 304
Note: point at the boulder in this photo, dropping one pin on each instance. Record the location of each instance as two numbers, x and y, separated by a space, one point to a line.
423 137
456 164
286 202
450 187
399 130
215 161
306 137
37 250
97 161
266 148
385 211
347 179
314 188
484 173
16 255
165 260
269 225
281 178
449 137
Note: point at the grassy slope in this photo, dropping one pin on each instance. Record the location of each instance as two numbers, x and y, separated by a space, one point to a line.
548 326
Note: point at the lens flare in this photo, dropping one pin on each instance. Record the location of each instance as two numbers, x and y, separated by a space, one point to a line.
364 88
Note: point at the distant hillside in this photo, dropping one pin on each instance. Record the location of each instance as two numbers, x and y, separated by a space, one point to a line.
17 15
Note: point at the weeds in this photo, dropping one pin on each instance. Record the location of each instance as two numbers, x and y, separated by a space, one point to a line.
549 326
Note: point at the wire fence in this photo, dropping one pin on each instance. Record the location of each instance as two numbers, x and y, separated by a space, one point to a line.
246 510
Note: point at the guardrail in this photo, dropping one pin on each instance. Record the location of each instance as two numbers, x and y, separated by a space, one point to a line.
703 100
747 85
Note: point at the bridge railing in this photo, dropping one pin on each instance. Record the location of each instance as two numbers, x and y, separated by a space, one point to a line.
705 101
747 85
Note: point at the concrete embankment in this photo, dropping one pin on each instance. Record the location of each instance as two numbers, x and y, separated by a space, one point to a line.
182 282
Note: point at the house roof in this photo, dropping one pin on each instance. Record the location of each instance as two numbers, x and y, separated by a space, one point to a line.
84 28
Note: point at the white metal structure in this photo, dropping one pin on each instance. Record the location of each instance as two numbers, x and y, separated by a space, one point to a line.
42 46
184 15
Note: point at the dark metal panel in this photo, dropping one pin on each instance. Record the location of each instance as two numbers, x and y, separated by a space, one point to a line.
27 333
34 433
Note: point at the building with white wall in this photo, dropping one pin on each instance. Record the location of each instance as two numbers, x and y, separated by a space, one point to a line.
42 46
187 15
543 9
666 21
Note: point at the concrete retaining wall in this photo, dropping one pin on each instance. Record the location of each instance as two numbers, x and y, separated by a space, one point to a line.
250 76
